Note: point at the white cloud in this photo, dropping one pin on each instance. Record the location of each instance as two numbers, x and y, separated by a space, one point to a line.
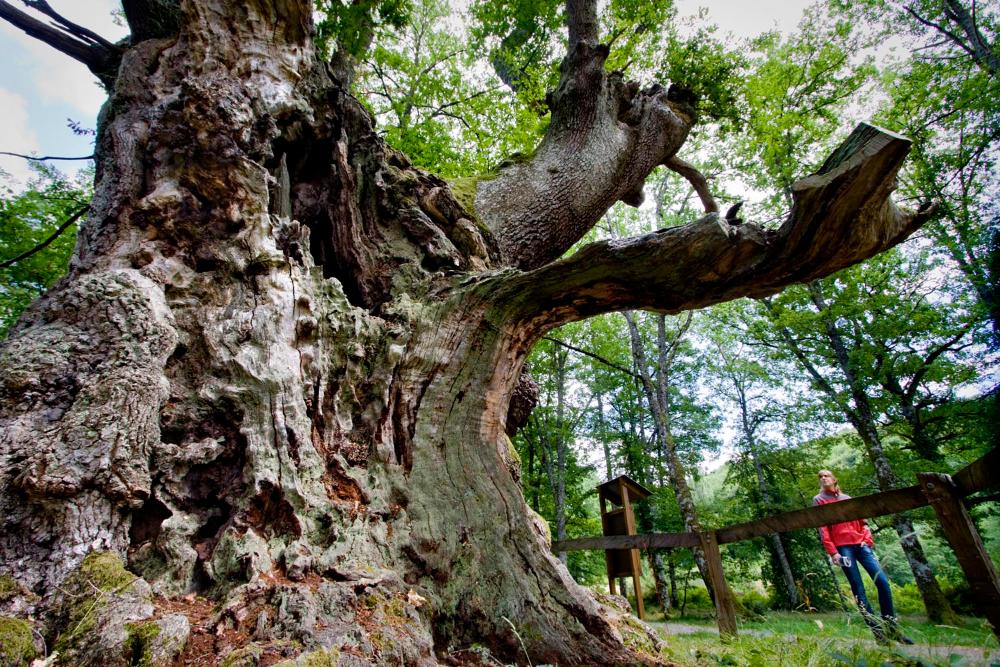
60 79
16 135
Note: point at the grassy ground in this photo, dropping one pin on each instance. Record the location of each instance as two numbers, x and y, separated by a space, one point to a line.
827 639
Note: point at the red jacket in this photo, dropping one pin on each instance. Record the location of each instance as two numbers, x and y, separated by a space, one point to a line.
839 534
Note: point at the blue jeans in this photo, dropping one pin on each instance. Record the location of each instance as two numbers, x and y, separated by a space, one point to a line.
862 554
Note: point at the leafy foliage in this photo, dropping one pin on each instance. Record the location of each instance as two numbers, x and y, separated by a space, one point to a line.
26 220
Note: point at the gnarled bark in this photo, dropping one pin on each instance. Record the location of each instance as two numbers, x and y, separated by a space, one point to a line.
279 369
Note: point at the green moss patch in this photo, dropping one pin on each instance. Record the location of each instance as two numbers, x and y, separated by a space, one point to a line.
140 642
104 570
87 592
17 647
248 656
8 588
323 658
464 191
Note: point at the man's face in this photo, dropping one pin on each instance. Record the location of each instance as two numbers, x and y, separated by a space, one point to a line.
827 481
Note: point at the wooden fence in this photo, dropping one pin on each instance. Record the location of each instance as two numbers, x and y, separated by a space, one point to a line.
942 492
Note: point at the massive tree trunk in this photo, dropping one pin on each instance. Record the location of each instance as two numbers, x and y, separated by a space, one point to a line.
279 369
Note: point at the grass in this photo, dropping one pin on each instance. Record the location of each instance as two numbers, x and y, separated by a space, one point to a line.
837 640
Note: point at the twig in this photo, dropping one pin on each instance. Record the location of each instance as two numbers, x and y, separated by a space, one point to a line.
596 357
98 54
523 648
41 246
76 29
46 157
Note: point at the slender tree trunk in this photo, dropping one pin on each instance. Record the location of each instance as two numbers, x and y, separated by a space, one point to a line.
561 435
672 569
608 470
657 399
664 590
777 546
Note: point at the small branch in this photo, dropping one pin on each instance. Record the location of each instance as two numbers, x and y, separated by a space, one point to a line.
690 173
593 356
944 31
41 246
46 157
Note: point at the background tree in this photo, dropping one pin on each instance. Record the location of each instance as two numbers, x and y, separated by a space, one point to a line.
944 95
847 351
753 387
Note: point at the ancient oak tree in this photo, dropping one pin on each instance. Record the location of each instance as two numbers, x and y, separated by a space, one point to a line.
280 367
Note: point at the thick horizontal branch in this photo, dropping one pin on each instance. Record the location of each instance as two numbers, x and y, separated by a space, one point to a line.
983 474
648 541
840 216
864 507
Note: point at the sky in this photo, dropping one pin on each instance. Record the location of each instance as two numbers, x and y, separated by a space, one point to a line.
41 89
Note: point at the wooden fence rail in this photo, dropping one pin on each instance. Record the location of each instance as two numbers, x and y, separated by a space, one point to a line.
942 492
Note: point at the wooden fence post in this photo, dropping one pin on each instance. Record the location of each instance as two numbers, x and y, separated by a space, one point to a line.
725 607
944 497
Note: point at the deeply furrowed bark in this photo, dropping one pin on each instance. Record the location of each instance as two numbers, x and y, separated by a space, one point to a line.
279 369
317 446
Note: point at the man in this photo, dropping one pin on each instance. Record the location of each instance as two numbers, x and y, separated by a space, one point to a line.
850 544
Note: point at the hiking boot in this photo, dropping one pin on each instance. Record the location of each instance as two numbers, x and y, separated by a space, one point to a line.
880 637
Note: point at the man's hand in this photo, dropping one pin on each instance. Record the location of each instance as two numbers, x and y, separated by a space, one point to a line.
836 559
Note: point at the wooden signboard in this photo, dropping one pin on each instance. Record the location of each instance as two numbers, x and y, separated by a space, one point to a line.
618 518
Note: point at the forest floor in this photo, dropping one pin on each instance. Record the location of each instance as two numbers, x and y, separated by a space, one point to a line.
828 639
